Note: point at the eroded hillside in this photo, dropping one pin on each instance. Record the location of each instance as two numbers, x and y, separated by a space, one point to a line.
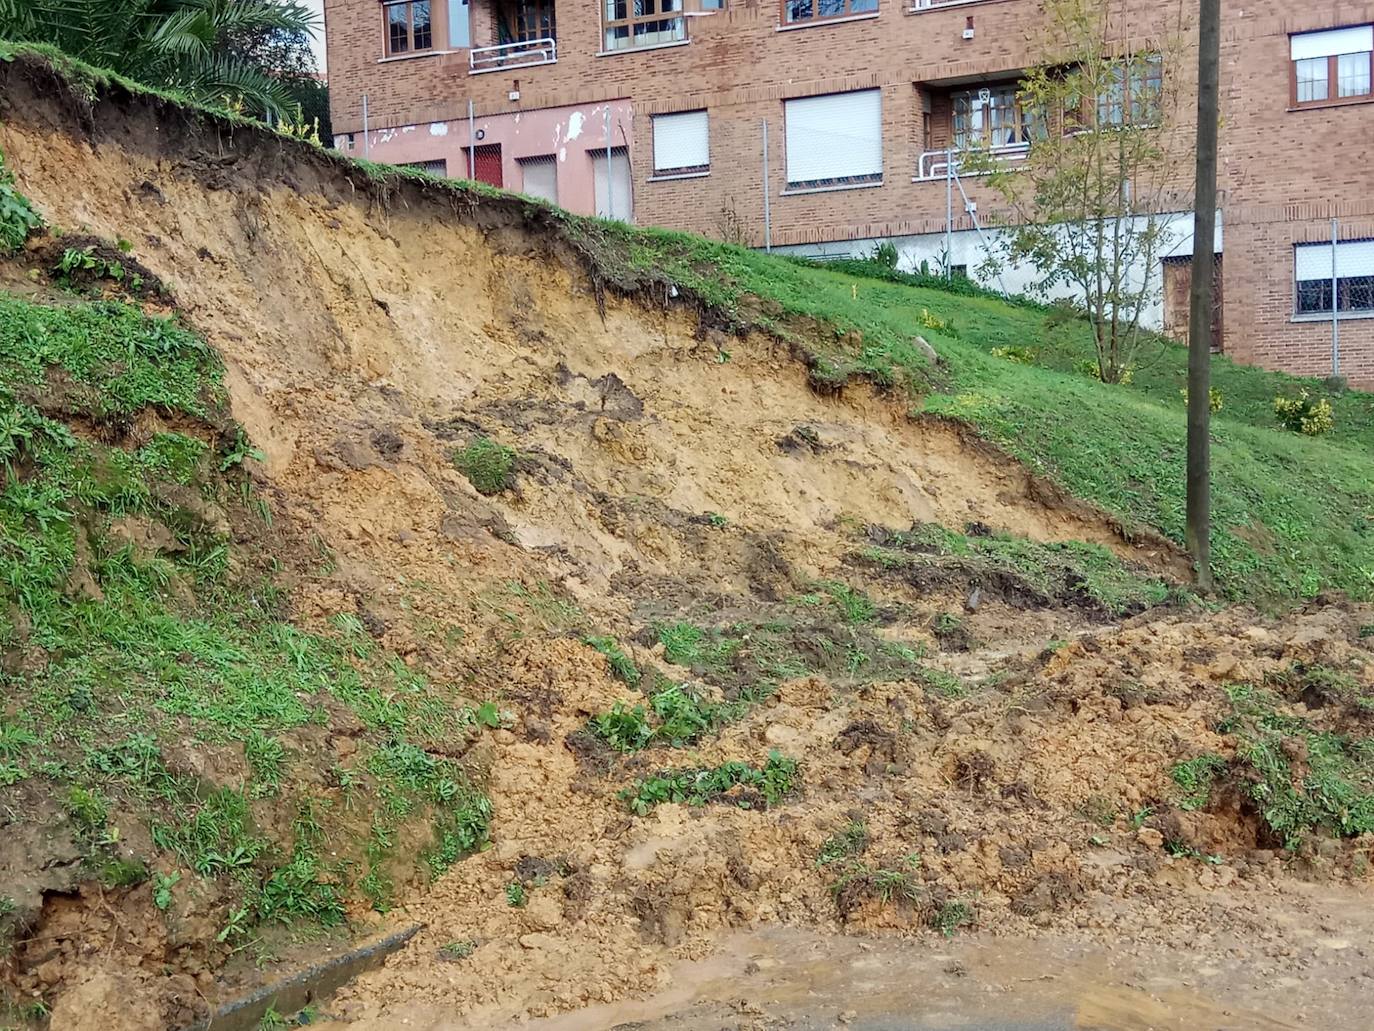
567 613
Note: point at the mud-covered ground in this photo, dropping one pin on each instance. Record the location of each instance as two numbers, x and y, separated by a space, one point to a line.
927 696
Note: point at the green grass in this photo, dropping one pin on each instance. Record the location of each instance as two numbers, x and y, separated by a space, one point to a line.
488 465
764 786
846 844
140 653
620 664
1331 792
1071 572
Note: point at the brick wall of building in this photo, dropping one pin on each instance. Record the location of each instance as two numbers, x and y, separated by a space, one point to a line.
1284 173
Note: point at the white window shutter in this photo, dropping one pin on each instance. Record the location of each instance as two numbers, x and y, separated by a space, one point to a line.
681 141
1333 43
1355 259
540 178
839 136
1312 261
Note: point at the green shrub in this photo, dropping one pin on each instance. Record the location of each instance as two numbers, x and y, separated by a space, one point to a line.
488 465
1304 414
1017 354
17 217
1214 402
885 254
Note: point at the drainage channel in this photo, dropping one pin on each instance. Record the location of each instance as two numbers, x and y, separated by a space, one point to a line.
294 993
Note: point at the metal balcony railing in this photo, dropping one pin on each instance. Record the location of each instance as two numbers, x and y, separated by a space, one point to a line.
935 164
512 55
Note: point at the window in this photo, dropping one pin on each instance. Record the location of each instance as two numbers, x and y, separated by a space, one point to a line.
643 23
682 143
526 21
1352 277
794 11
408 26
439 166
834 140
613 188
989 118
539 177
1132 92
1332 65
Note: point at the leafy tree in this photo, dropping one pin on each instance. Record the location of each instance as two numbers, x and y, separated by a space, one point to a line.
213 51
1094 206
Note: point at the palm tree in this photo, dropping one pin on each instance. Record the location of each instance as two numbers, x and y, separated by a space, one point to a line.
194 47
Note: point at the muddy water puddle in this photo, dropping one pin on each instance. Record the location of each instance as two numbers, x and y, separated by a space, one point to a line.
784 978
789 978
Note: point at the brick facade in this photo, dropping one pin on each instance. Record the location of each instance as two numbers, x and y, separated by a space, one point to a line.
1285 174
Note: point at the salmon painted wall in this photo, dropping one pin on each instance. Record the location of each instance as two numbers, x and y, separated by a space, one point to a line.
567 135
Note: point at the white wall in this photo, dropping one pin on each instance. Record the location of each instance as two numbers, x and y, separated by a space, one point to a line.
967 248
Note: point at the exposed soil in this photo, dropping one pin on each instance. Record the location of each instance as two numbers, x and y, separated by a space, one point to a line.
1026 793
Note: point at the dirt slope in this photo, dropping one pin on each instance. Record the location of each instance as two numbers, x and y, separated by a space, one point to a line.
979 746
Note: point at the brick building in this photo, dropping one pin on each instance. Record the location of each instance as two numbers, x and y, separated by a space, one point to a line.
825 126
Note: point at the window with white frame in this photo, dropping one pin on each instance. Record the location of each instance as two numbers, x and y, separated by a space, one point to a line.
989 117
1333 65
642 23
682 144
1345 272
834 140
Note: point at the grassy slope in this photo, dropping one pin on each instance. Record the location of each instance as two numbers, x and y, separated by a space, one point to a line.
1292 515
138 634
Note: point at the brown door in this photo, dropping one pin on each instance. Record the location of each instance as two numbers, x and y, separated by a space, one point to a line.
487 164
1178 285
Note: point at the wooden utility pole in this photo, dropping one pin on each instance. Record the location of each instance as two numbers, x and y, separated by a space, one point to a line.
1199 517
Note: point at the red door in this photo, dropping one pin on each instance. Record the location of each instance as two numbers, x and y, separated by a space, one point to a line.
487 164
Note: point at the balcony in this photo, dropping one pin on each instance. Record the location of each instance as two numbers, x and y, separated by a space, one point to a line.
505 56
936 164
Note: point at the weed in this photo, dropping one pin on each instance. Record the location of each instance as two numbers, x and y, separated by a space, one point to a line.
1332 792
1139 817
717 520
266 757
846 844
123 873
855 607
943 682
624 728
489 466
162 889
17 216
1014 353
1196 776
88 808
620 664
1100 810
766 785
516 896
951 916
456 950
85 259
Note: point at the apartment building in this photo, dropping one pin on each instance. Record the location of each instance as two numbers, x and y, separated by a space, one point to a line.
827 126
